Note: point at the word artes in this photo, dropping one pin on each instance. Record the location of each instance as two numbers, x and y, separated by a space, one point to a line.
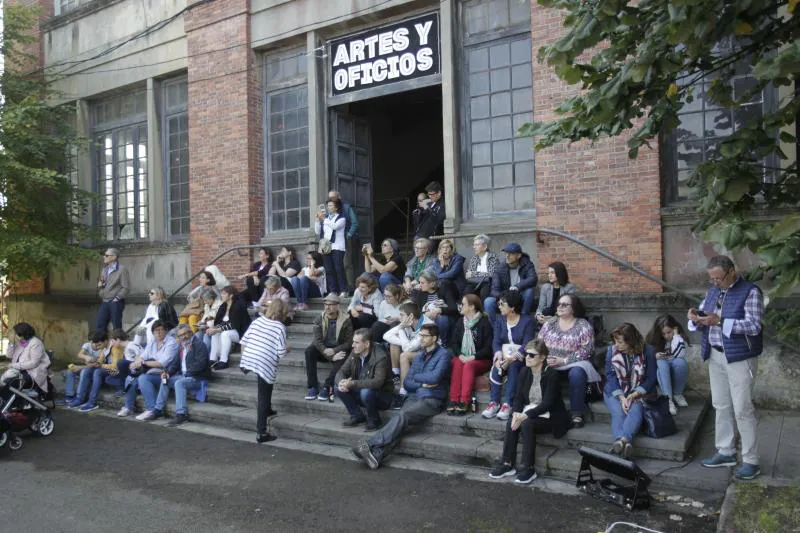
403 51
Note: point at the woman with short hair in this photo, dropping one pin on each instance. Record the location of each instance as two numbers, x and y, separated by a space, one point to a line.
365 302
481 267
631 374
557 284
387 266
449 267
471 345
422 260
263 346
229 326
28 357
570 340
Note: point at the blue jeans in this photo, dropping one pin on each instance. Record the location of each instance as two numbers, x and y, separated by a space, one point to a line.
147 384
334 271
373 400
182 386
528 299
387 278
69 384
110 312
205 338
511 384
624 426
294 281
577 390
93 376
306 288
672 375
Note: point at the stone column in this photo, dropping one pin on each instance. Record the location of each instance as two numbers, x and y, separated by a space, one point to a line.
450 144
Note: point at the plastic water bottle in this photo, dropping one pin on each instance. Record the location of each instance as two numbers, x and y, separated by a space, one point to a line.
473 404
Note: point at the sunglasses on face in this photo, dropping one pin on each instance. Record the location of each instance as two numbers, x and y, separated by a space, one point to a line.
531 354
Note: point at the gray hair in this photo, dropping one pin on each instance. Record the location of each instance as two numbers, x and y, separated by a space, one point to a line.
393 243
484 239
273 281
429 276
113 251
722 261
182 327
423 240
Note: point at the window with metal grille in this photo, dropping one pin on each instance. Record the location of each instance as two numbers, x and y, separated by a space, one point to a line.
176 147
119 125
497 99
287 142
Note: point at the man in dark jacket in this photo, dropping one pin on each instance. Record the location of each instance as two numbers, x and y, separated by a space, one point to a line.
333 337
187 373
518 273
427 382
432 218
365 380
112 287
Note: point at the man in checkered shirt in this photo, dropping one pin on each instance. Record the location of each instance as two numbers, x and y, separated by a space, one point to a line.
729 319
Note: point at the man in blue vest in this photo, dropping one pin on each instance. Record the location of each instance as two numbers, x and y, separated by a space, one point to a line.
729 319
350 233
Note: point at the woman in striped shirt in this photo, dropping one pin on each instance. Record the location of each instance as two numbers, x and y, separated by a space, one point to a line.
263 346
669 338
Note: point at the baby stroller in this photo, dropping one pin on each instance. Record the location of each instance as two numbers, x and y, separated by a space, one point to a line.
22 408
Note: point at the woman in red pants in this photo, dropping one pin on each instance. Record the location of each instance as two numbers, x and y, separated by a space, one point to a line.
471 343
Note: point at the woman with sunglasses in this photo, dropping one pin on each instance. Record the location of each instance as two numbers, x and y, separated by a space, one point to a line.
538 409
512 331
570 340
159 309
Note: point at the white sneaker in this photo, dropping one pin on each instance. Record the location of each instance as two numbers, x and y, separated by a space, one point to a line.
124 412
505 412
680 401
147 415
491 410
672 409
344 294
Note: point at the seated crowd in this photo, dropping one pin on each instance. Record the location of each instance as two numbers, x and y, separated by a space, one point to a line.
414 337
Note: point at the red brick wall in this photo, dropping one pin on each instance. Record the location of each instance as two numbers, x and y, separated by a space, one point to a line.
593 192
226 183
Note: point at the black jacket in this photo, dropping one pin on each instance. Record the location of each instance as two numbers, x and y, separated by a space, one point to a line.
431 220
167 315
196 361
239 318
481 335
552 401
447 293
501 279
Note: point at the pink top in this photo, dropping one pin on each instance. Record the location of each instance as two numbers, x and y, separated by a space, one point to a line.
31 358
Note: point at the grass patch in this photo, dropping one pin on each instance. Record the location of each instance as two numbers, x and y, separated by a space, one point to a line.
762 509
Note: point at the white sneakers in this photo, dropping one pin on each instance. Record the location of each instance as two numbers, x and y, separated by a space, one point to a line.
491 410
147 415
505 412
672 409
680 401
124 412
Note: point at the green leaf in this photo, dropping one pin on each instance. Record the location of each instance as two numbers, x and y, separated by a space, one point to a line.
735 190
787 227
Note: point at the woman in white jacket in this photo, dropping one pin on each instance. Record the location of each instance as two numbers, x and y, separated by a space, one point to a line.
405 344
331 226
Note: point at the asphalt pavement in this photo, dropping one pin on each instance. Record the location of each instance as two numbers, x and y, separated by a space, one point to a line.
100 474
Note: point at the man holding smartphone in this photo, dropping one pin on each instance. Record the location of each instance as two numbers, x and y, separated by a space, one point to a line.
729 319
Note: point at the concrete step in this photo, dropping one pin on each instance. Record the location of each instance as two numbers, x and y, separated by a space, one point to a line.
595 433
479 450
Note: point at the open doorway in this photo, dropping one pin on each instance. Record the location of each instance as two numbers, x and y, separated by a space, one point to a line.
386 150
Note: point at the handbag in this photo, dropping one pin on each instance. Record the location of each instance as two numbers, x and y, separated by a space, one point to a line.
657 418
324 247
594 393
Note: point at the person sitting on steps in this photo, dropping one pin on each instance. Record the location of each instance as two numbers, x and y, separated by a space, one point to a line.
423 260
404 345
472 353
90 357
517 273
538 409
669 338
481 268
449 267
557 285
365 302
333 339
365 380
427 382
229 325
386 267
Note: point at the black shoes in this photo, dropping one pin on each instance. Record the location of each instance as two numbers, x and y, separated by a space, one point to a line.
373 426
354 421
398 401
265 437
178 420
219 365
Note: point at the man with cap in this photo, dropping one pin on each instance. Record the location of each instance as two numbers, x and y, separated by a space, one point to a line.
518 273
333 339
112 287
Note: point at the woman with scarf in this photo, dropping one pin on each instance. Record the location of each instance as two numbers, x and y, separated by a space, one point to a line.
631 374
472 346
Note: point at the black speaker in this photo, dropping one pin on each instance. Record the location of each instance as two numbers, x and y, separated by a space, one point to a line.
633 495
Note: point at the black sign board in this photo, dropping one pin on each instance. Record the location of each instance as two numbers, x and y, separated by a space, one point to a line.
380 56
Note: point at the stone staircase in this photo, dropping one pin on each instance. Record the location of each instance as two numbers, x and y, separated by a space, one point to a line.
468 440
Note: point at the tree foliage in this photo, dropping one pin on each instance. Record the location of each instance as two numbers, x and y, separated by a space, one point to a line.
639 63
41 211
